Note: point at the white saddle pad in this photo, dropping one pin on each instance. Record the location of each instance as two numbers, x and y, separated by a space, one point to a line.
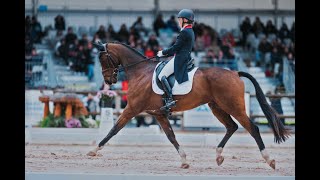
178 89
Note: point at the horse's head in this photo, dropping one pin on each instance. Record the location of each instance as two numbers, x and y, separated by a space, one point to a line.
109 63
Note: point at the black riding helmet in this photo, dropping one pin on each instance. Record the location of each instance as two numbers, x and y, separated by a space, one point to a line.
186 13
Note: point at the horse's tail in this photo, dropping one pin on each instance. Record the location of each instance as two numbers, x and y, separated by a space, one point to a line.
279 131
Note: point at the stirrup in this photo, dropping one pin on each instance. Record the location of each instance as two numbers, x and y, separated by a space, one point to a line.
168 105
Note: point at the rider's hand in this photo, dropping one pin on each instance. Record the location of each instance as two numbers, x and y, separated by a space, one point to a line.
159 54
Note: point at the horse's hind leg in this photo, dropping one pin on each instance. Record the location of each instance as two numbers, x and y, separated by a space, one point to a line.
254 131
230 125
165 124
122 121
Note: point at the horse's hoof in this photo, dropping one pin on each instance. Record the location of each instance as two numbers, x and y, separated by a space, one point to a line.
91 153
220 160
273 164
185 166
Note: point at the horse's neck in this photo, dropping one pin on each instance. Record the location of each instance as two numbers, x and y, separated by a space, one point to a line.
141 70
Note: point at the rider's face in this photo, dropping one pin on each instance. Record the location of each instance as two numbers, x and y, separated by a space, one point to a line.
180 22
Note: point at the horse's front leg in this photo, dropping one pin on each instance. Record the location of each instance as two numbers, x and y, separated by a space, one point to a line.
127 114
165 124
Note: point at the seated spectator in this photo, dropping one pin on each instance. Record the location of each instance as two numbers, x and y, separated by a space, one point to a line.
149 52
59 23
102 34
227 50
211 57
158 24
36 30
123 34
71 37
207 38
92 104
257 27
113 36
139 26
268 72
284 32
229 38
172 24
263 48
153 42
275 57
62 51
84 41
270 28
292 32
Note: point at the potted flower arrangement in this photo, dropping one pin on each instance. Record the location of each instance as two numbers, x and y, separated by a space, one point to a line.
106 97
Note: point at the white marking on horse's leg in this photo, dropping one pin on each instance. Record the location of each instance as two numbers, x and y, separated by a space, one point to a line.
265 156
94 151
272 162
182 155
219 151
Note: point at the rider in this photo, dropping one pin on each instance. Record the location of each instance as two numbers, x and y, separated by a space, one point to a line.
182 54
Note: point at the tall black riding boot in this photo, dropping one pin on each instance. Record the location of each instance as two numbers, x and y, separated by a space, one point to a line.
168 90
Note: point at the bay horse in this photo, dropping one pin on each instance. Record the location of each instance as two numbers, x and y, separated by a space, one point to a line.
222 89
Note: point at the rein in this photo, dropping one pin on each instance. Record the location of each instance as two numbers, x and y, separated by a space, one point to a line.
133 64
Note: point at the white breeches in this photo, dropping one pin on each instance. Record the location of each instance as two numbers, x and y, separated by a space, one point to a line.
168 69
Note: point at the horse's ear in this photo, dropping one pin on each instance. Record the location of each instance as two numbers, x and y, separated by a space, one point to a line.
99 46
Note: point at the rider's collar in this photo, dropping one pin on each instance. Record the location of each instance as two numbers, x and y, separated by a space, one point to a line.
186 27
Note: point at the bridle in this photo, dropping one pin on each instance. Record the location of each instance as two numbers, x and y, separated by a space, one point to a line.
112 64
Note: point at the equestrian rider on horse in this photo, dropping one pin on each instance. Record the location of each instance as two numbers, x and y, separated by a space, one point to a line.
182 54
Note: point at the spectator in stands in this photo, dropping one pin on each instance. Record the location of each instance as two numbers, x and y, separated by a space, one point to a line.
139 26
28 46
102 34
257 27
268 72
153 42
228 37
207 37
172 24
284 32
84 41
210 57
158 24
123 34
292 32
270 28
140 48
263 48
227 50
89 61
113 36
149 52
275 57
96 38
132 40
36 30
62 51
59 23
27 25
245 28
80 61
91 103
71 37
